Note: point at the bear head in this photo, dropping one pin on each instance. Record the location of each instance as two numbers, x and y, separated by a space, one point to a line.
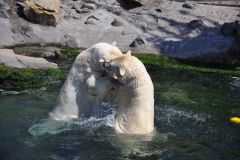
120 67
103 51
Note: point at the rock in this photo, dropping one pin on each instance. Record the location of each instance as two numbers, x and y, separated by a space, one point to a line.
91 20
81 11
117 12
116 23
18 38
73 43
11 60
21 4
42 44
90 1
15 31
158 10
137 42
27 31
142 2
3 13
89 6
162 23
4 5
110 9
48 55
152 26
93 17
58 54
229 29
44 12
145 8
190 5
196 24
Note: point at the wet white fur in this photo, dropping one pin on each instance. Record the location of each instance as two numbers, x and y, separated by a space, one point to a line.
135 113
84 85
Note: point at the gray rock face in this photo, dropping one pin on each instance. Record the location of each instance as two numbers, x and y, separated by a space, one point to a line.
11 60
165 27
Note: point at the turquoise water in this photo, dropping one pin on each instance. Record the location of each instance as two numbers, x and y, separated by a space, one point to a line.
192 113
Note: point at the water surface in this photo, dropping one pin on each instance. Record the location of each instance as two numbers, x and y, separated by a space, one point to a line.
192 113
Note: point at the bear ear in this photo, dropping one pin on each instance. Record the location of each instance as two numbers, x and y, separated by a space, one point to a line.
102 60
114 44
128 53
122 71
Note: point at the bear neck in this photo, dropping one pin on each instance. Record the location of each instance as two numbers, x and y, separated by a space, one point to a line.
137 80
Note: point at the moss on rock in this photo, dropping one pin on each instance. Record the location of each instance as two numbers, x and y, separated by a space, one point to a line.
155 62
28 78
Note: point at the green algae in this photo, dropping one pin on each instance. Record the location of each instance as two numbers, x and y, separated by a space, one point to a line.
71 53
156 61
28 77
152 61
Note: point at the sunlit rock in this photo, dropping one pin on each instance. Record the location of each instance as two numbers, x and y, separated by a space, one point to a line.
44 12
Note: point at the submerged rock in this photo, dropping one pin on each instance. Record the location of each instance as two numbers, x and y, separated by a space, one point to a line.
44 12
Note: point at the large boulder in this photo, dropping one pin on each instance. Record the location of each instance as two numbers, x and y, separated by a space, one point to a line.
44 12
11 60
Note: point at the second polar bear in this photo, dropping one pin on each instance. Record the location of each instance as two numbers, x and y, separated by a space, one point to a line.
86 83
135 112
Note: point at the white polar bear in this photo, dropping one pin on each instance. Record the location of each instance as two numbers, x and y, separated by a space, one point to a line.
135 113
85 83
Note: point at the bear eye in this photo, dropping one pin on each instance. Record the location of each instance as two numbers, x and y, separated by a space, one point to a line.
107 65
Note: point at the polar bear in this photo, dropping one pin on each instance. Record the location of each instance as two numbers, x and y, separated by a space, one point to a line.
86 83
135 112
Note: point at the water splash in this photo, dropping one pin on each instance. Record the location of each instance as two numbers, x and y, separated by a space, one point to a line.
29 91
236 81
167 114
